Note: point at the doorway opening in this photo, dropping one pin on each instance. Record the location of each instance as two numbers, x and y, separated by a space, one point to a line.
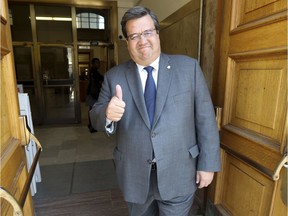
48 55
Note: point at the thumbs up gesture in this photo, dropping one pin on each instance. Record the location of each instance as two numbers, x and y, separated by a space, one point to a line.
116 106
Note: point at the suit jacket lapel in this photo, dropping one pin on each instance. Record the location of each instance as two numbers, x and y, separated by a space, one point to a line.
163 84
135 85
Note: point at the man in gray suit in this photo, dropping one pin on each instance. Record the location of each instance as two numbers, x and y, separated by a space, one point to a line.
166 149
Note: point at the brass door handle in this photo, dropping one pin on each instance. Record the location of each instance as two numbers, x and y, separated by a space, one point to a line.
283 162
27 136
218 114
8 197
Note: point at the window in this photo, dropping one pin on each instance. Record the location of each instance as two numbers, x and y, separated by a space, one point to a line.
90 21
19 15
51 30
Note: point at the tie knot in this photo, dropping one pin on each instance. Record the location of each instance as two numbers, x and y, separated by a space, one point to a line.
149 69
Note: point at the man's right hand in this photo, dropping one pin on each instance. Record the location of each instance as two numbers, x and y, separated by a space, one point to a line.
116 106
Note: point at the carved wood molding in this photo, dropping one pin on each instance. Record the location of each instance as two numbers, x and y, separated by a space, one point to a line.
4 45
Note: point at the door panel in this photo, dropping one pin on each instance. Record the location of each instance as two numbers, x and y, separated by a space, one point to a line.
243 39
58 87
258 96
252 75
54 100
239 177
59 104
13 170
254 10
25 75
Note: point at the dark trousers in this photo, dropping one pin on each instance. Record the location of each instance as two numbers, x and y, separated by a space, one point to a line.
155 206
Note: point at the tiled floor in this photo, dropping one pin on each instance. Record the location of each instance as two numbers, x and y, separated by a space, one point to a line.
71 144
99 203
78 174
74 178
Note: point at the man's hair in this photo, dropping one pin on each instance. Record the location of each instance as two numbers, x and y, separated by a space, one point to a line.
135 13
94 60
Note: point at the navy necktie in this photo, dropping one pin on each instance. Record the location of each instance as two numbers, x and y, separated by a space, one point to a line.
150 94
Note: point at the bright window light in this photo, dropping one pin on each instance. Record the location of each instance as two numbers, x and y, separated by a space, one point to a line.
54 18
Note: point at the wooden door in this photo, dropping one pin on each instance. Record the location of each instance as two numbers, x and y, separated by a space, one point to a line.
251 86
13 170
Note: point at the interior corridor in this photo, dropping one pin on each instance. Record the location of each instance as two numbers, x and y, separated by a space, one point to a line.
78 173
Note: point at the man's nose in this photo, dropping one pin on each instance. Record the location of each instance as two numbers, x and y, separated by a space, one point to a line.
142 38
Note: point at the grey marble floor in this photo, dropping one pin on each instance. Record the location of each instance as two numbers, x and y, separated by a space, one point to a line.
62 145
78 173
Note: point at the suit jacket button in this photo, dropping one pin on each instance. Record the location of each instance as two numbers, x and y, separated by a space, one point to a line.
149 161
153 135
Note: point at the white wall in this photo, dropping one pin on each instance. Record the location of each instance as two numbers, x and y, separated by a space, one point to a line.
123 6
163 8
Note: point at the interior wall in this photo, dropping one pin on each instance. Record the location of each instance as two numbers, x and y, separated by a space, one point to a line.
180 34
180 29
208 39
101 53
123 54
122 8
164 8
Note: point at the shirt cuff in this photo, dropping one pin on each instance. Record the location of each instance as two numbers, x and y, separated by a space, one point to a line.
109 126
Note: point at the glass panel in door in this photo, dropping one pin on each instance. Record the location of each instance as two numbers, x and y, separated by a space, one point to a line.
53 24
58 84
20 22
23 60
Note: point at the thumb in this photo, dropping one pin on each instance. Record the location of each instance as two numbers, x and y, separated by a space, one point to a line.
119 92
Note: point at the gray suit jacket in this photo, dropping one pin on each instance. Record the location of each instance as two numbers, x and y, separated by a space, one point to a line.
184 135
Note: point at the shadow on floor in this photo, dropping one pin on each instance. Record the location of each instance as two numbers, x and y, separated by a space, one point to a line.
85 188
66 179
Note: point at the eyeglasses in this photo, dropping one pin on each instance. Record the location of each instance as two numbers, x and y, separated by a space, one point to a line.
137 36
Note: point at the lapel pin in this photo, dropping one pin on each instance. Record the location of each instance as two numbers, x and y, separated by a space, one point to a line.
168 67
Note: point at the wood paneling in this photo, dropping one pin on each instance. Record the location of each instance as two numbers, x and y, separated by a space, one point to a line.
4 46
240 201
182 36
258 95
252 88
262 37
245 11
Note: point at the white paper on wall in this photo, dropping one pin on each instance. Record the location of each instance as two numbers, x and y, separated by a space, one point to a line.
31 148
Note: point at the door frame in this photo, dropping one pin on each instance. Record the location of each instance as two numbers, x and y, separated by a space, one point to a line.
75 82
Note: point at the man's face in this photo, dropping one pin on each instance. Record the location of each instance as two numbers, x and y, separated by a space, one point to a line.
146 48
96 64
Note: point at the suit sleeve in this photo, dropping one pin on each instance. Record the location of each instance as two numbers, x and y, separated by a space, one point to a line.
206 127
98 112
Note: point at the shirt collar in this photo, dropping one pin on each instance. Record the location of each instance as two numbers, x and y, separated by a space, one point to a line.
154 64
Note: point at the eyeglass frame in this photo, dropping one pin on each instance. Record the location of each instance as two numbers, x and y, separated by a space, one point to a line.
146 34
